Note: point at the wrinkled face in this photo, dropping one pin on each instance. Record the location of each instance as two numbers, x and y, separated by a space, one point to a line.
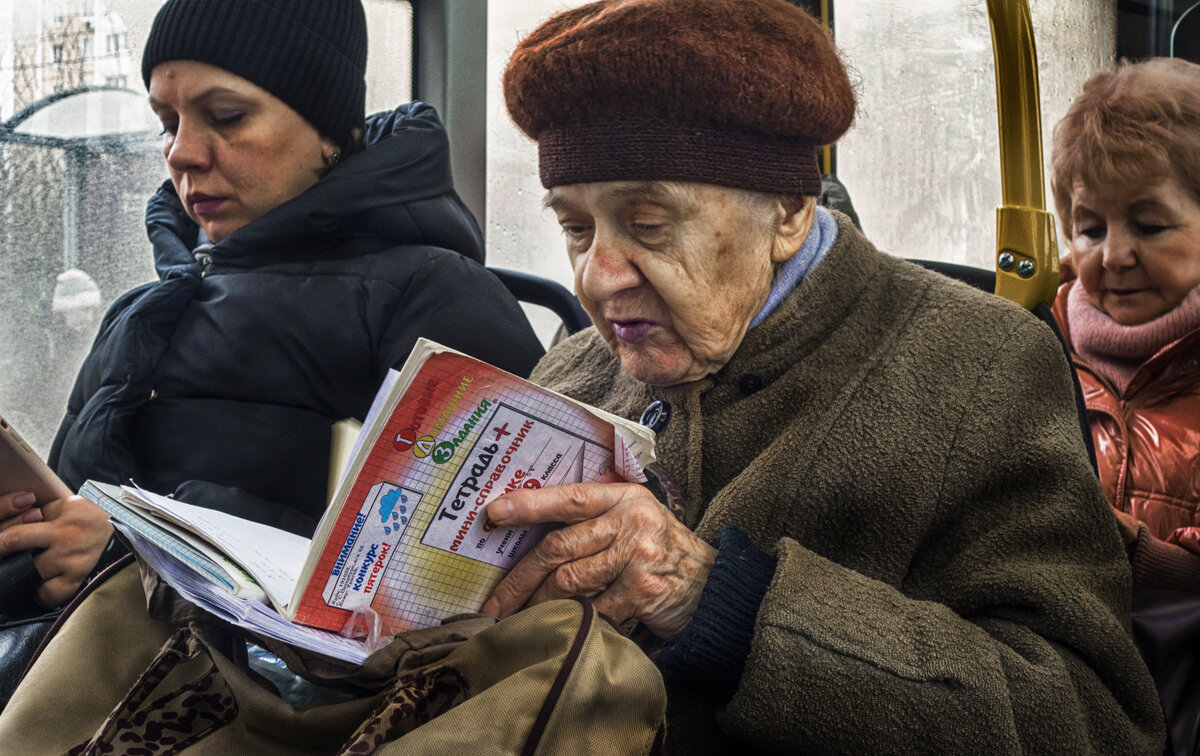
672 273
234 150
1138 253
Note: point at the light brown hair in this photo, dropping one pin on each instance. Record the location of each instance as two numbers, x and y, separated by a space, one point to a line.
1131 127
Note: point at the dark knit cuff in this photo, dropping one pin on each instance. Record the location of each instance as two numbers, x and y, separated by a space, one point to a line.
715 643
1161 565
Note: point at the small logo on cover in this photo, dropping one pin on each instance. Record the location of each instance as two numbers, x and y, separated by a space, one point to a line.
404 440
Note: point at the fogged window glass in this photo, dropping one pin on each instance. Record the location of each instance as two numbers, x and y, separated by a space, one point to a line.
922 161
519 234
389 53
79 158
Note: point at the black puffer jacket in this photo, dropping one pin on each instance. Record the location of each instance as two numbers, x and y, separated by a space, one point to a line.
220 382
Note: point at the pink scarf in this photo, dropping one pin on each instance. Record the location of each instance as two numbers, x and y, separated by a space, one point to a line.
1116 351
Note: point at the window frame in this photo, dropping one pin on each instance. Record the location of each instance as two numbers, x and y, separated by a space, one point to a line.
453 79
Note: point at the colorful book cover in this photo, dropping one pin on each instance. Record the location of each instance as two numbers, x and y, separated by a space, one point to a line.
407 534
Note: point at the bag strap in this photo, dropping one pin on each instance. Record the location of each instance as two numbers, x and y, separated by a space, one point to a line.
588 615
420 696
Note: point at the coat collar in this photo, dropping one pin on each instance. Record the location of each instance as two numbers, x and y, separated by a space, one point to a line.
800 325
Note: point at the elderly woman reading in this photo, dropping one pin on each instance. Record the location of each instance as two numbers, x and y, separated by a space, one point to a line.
874 528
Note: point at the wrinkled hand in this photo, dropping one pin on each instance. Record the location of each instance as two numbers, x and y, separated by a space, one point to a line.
619 546
72 533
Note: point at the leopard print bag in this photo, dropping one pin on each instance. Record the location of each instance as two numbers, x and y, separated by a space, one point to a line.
555 678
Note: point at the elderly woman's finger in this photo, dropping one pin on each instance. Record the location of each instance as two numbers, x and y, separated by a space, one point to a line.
571 503
662 592
589 576
557 548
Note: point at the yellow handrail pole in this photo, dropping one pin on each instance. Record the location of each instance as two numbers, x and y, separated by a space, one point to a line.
1026 246
827 22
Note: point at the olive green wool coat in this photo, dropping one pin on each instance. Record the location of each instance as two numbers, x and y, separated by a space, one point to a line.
950 578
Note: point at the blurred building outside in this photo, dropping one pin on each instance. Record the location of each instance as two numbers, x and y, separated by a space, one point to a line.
60 46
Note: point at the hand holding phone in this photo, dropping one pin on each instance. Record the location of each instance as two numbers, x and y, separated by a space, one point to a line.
21 469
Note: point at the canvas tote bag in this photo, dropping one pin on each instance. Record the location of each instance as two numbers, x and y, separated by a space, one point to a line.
556 678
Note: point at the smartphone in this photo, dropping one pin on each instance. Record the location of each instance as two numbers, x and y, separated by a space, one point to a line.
21 469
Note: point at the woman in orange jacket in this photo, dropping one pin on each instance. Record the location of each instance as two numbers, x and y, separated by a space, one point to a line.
1126 179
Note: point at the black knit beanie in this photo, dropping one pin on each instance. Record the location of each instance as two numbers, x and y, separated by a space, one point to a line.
312 54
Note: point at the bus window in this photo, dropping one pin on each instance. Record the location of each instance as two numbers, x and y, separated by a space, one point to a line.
921 162
1148 28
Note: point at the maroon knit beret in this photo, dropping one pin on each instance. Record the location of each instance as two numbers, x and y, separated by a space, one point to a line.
738 93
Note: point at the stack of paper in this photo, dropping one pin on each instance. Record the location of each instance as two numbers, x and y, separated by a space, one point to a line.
201 572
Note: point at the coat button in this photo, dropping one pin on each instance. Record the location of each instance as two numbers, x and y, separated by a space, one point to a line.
750 383
656 415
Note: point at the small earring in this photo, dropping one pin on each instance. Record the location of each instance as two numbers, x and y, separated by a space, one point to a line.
333 159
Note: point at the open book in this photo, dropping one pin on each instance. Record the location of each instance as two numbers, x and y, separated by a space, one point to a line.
406 536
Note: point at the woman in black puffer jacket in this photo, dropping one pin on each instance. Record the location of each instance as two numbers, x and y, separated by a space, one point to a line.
301 253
